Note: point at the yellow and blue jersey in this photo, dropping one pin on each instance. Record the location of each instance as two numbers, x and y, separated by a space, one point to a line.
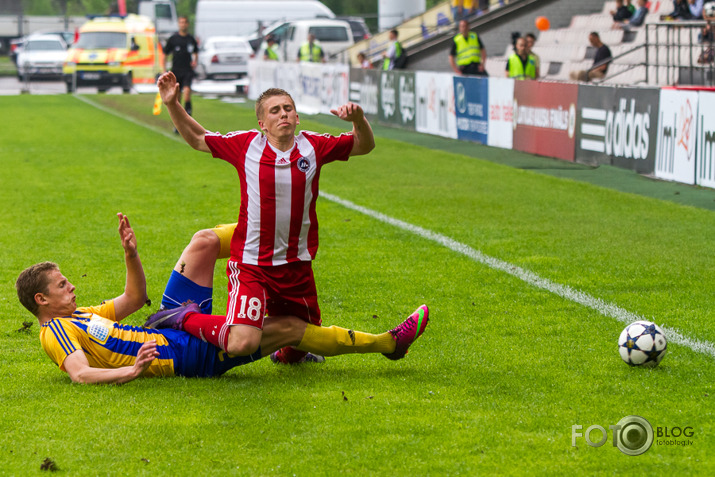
109 344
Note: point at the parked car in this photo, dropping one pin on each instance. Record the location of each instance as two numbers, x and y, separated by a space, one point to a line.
358 27
41 56
277 29
334 36
224 56
16 44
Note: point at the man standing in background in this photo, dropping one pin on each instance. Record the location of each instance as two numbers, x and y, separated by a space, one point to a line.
184 51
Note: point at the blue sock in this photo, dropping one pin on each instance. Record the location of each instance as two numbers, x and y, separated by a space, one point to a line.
180 289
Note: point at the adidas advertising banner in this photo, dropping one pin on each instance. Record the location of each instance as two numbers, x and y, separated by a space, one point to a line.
594 102
675 150
632 129
705 162
471 106
501 112
435 104
544 118
397 98
364 90
617 126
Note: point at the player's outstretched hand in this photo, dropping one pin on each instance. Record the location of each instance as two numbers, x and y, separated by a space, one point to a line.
126 234
168 87
349 112
147 353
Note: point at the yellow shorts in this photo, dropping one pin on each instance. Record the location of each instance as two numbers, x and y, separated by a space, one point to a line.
224 233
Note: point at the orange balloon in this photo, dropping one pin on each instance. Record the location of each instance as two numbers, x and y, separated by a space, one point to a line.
542 23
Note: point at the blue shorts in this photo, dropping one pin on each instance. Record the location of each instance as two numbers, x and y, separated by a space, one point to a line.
196 358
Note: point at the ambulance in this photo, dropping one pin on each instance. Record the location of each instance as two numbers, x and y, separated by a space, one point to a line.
114 51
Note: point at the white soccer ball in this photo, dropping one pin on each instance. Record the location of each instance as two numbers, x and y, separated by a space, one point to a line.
709 10
642 343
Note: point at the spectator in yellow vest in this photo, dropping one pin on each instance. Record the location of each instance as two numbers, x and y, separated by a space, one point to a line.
271 51
391 58
311 51
468 55
520 64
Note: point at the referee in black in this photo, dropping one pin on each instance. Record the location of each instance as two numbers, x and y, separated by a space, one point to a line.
184 51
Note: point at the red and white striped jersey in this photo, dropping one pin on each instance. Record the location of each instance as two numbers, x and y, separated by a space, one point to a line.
277 223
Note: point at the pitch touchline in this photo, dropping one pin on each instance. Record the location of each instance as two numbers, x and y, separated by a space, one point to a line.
564 291
607 309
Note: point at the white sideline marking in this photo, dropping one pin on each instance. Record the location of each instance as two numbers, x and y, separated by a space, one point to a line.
564 291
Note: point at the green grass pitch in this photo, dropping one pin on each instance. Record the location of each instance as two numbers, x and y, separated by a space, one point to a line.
494 386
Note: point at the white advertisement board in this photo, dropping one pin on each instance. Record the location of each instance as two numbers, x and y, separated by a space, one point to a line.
675 152
315 88
705 170
501 113
435 104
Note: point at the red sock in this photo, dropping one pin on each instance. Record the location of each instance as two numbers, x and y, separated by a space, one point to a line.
210 328
290 355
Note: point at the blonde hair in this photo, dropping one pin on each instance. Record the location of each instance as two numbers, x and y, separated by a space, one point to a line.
269 93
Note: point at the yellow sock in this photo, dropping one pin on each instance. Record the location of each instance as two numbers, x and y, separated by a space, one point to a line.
333 340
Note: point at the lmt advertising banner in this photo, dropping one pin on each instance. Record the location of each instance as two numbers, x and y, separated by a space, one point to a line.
435 104
675 152
706 140
544 117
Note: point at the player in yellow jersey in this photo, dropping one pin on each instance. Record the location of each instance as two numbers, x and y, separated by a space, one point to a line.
92 346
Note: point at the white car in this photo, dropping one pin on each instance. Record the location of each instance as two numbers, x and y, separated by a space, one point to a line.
41 56
224 56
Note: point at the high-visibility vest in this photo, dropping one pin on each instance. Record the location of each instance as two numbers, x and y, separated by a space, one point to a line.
398 53
468 50
516 67
271 52
310 54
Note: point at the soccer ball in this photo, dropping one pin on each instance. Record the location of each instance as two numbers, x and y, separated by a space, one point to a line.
709 10
642 343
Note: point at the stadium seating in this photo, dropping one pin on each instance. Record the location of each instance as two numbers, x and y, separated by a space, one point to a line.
565 49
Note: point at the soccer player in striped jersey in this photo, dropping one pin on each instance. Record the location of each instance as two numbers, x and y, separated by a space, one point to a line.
269 269
92 346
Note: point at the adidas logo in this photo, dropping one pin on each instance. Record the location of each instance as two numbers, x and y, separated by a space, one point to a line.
282 160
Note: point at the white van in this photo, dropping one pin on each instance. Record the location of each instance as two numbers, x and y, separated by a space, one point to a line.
334 36
243 17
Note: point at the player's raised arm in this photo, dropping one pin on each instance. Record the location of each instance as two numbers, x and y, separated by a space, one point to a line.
192 132
134 295
364 141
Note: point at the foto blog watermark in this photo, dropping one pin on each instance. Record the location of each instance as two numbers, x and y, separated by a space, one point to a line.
632 435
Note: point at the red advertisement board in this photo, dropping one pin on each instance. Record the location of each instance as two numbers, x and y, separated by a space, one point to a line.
545 118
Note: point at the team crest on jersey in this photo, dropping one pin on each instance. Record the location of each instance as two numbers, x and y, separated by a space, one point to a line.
98 329
303 164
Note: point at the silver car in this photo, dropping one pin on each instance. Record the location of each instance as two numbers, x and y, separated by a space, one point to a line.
224 56
41 56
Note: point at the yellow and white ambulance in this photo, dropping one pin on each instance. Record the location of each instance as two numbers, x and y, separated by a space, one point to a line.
114 51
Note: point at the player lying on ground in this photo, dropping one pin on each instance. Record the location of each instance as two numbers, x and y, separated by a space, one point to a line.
269 269
91 345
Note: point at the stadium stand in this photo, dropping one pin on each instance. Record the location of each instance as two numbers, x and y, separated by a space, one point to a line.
657 53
